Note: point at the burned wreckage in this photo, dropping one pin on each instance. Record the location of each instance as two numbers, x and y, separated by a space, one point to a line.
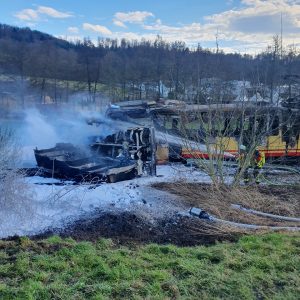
120 156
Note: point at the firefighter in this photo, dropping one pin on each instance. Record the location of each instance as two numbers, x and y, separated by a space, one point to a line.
257 163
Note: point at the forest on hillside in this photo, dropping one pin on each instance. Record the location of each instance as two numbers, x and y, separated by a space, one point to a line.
136 69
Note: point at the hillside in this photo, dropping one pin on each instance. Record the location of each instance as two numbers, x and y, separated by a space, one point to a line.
134 69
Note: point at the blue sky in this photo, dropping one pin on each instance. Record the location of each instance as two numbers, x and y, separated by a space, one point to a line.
240 25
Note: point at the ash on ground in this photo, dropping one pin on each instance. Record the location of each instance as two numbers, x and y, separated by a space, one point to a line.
130 228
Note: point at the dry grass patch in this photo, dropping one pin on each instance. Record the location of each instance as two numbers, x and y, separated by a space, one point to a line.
217 201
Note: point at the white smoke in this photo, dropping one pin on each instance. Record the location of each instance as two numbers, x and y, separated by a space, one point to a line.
44 130
38 131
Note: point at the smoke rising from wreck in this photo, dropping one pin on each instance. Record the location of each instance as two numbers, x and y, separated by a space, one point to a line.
43 129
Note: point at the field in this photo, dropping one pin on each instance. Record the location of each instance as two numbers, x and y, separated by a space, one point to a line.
256 267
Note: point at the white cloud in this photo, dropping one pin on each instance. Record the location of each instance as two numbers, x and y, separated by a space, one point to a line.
134 36
189 33
70 38
248 27
119 23
72 29
96 28
27 15
136 17
51 12
259 17
35 15
251 26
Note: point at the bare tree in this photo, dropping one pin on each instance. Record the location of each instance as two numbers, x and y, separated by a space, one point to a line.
15 196
212 133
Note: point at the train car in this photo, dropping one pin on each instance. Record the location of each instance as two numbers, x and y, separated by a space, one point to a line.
273 129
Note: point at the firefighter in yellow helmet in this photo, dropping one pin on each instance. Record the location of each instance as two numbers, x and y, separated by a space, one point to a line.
257 162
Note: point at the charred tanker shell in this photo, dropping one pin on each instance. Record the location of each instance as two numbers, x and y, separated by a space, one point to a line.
136 143
120 156
67 161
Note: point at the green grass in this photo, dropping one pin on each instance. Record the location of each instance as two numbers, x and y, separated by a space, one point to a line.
256 267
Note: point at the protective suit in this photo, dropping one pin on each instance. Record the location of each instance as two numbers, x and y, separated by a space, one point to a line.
257 163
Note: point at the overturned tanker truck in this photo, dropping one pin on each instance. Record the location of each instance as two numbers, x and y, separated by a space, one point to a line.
120 156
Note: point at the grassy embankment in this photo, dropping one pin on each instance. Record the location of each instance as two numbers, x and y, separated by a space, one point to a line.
256 267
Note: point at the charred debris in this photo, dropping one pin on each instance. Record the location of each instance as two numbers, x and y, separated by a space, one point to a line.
120 156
